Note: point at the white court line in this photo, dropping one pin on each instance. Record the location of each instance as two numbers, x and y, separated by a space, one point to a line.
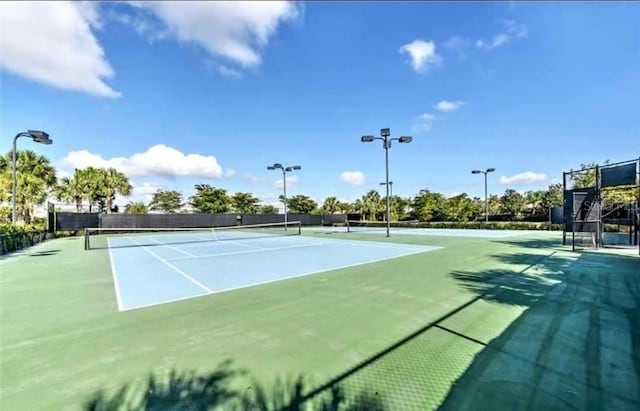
248 251
255 247
179 271
287 278
379 244
173 248
116 285
232 241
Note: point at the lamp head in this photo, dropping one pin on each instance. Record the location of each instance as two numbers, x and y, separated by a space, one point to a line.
476 172
39 136
405 139
385 132
277 165
271 168
296 168
490 170
288 169
366 139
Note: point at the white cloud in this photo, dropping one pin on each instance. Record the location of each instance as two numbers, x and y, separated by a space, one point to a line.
523 178
229 172
228 71
250 178
515 29
456 43
236 31
53 43
356 178
422 54
158 160
271 200
448 106
423 122
291 181
511 30
142 192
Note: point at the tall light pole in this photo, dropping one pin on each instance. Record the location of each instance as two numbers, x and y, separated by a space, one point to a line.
486 200
37 136
390 188
285 170
385 133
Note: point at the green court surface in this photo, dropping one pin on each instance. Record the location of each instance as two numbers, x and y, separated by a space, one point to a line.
504 323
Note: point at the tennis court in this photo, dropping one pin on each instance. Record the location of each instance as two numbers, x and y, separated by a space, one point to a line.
167 266
413 322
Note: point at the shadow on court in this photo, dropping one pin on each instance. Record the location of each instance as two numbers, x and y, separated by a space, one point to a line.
554 244
577 346
44 253
191 391
574 345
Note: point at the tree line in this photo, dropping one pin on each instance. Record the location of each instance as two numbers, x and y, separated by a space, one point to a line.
98 187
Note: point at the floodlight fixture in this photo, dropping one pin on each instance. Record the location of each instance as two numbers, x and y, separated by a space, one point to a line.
486 198
385 134
285 170
39 136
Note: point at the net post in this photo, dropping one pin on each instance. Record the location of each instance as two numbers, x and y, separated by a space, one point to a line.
86 239
299 227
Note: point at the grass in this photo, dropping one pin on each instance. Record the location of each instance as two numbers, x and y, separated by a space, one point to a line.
420 332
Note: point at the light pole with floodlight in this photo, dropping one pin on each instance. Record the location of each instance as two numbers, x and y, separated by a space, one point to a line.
37 136
390 188
486 200
385 133
285 170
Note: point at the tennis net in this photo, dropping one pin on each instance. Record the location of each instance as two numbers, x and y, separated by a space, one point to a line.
375 226
101 238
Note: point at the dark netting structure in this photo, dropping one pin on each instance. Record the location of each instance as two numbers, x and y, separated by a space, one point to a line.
76 221
354 226
600 197
106 238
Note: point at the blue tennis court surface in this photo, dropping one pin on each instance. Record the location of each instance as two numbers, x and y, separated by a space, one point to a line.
149 270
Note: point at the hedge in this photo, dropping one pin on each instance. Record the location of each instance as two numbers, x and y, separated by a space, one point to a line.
14 238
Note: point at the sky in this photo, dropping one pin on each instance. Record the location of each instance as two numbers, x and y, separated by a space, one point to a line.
175 94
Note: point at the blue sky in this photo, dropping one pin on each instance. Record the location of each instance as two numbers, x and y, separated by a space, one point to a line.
181 93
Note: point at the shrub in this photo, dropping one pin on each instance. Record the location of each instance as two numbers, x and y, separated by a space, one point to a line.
17 237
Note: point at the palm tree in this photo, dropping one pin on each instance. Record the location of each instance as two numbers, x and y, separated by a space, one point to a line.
73 188
343 207
371 204
358 207
137 207
30 190
330 205
35 175
113 182
93 180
